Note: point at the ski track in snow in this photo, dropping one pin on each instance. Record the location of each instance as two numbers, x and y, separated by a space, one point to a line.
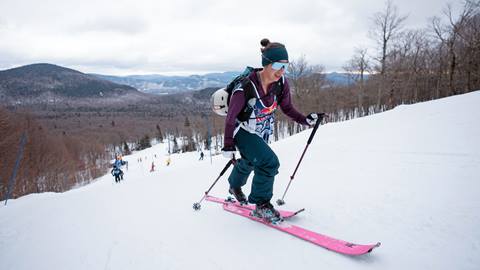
408 178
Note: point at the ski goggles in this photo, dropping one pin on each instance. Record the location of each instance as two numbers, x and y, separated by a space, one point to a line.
280 65
277 65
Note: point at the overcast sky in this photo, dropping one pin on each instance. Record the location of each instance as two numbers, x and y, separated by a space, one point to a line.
123 37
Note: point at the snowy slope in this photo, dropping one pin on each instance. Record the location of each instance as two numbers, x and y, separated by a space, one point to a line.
409 178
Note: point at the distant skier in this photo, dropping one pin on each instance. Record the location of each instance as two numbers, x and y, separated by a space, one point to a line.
117 165
153 167
201 155
168 161
251 136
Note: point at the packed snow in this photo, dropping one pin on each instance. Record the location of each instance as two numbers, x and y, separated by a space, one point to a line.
409 178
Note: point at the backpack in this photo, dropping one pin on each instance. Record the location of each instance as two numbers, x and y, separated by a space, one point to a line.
116 171
220 99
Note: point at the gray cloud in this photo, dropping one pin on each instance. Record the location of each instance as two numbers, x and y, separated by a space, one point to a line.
187 35
123 25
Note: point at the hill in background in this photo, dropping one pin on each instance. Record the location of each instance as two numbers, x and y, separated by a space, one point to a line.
39 83
161 85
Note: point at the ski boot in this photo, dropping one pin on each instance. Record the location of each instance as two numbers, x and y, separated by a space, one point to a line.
239 195
267 212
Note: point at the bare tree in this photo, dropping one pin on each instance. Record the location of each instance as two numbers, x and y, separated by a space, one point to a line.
359 65
469 36
387 26
448 34
407 63
305 80
356 68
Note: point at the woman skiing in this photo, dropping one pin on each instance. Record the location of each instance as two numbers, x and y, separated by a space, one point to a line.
251 137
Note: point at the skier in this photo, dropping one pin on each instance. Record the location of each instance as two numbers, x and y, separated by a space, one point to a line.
251 137
168 161
201 155
117 164
153 167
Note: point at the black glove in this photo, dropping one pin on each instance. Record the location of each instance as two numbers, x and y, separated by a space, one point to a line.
229 152
312 118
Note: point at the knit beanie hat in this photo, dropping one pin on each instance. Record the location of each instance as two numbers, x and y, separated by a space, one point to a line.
272 52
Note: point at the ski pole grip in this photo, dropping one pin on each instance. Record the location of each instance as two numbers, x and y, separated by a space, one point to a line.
313 131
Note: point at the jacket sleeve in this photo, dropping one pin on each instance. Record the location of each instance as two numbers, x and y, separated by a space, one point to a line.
237 101
287 106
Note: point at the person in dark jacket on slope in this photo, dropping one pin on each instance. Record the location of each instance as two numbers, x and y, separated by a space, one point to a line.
117 168
251 137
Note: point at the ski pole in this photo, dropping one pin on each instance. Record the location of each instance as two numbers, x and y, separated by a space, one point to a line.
281 201
197 205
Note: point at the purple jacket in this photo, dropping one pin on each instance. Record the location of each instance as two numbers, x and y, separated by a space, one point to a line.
237 102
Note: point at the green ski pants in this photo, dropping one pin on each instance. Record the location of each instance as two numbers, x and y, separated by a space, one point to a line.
258 157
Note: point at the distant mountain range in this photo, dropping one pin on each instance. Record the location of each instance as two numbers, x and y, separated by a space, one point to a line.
41 83
160 84
38 83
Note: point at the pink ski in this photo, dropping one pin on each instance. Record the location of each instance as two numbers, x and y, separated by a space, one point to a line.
285 214
327 242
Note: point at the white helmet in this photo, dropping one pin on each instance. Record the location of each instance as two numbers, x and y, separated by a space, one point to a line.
219 102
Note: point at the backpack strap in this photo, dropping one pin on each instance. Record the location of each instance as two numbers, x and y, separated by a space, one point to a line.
249 93
248 89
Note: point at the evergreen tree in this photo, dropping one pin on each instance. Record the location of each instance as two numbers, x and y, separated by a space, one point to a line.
144 143
159 133
126 149
175 149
